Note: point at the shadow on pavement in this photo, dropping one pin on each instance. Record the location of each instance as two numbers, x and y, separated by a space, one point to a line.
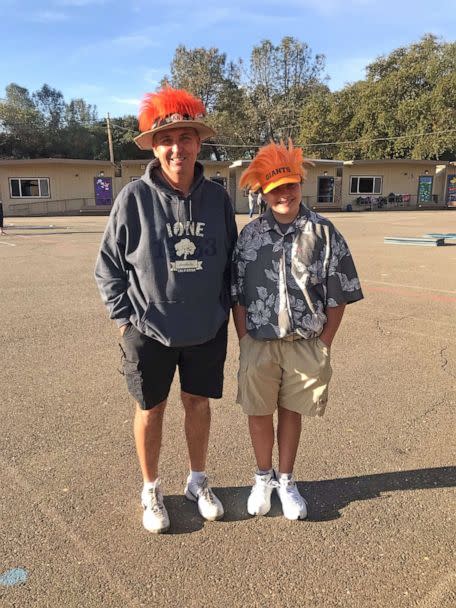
326 499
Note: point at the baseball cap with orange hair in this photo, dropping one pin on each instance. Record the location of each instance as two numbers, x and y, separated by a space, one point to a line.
274 165
170 109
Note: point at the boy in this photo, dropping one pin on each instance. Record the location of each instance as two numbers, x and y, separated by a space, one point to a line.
293 275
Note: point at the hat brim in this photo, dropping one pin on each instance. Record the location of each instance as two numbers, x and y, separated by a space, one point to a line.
145 140
290 179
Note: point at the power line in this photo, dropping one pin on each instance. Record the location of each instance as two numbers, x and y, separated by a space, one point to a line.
339 143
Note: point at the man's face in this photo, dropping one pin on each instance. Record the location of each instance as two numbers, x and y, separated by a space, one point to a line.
284 201
177 150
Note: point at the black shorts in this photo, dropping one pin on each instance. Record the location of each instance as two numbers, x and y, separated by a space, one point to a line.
149 367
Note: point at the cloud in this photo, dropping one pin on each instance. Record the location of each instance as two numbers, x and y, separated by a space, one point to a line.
48 17
79 3
135 42
121 44
127 101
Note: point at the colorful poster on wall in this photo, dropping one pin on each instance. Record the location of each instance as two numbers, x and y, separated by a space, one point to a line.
425 189
103 190
451 191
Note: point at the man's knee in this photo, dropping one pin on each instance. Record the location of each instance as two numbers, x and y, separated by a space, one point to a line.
194 402
151 416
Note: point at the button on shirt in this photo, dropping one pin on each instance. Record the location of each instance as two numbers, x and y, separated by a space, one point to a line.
287 280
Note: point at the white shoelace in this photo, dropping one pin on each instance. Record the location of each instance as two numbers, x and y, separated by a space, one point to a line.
154 501
292 491
204 491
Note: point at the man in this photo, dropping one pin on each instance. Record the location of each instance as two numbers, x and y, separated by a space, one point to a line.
252 202
2 231
163 272
293 276
261 204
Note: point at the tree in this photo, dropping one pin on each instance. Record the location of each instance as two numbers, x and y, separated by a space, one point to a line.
21 124
281 78
406 95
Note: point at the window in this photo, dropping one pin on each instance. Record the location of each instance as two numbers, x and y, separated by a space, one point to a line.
29 187
365 185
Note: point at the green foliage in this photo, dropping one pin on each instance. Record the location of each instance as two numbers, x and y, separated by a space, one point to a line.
406 95
404 108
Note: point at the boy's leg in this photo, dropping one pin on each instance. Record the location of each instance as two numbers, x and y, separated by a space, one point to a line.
288 435
262 435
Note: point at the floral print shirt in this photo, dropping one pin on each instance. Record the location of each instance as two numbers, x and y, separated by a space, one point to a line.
287 280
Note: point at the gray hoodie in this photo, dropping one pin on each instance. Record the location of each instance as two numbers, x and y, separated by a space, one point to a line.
164 259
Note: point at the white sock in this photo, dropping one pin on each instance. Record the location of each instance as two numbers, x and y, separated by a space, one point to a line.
266 472
284 475
197 476
148 485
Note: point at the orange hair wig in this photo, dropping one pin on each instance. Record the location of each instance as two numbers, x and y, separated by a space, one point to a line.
168 101
274 165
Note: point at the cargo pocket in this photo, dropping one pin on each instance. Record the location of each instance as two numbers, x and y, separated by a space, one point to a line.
133 376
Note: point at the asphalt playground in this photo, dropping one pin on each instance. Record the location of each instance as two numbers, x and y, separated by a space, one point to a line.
378 470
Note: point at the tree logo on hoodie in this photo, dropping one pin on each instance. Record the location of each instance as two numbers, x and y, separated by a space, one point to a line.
184 248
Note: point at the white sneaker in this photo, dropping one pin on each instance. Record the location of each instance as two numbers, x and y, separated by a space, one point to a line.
294 505
209 505
155 516
259 502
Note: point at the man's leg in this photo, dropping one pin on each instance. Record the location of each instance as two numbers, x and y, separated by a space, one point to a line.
148 433
147 427
197 426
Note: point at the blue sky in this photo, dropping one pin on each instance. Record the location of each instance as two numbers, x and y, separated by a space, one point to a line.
111 52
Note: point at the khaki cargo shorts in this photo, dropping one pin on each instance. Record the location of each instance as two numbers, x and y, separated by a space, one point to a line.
290 374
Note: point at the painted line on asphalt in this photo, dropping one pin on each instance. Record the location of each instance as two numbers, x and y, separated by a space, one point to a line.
414 294
10 244
100 568
409 286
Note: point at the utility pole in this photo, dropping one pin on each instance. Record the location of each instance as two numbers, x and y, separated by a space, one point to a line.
111 151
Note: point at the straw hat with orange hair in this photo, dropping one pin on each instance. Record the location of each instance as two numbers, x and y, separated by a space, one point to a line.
274 165
170 109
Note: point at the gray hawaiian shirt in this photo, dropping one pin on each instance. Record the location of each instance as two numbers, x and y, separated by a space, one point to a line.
286 281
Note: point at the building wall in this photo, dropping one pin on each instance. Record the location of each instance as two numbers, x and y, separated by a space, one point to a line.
398 178
309 187
134 169
71 186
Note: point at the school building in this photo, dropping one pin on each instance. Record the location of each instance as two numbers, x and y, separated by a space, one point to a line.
52 186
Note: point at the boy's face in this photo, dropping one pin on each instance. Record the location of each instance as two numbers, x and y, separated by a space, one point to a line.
284 202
